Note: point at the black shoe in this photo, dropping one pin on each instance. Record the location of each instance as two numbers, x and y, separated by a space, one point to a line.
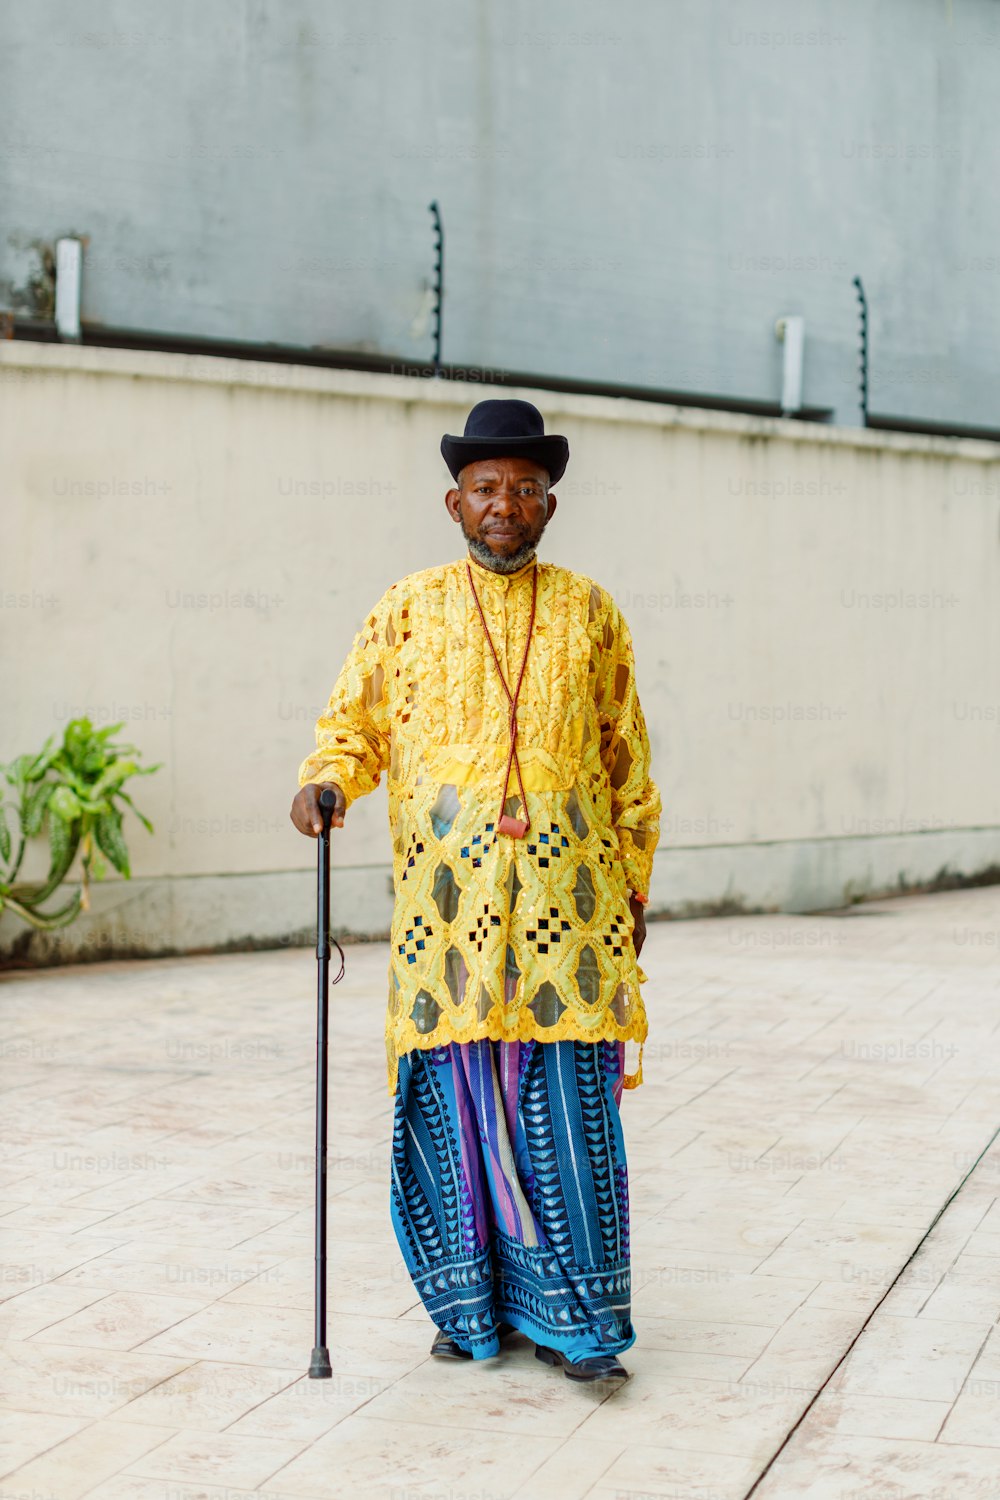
444 1347
594 1367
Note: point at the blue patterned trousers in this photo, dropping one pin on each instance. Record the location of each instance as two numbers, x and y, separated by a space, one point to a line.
509 1192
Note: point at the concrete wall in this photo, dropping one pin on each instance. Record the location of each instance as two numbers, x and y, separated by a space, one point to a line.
631 194
191 544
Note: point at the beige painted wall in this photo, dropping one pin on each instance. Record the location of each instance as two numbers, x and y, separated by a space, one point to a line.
191 543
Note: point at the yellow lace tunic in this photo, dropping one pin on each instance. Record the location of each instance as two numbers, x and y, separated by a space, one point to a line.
494 936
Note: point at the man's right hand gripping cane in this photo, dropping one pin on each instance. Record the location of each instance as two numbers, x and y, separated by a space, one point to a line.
305 813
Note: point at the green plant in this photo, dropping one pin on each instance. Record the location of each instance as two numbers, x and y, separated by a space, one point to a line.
74 792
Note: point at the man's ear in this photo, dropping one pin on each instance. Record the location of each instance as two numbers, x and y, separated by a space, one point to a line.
553 502
453 504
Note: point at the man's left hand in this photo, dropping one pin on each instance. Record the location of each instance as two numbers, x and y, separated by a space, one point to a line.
638 911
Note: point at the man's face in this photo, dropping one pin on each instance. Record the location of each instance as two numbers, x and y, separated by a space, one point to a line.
502 506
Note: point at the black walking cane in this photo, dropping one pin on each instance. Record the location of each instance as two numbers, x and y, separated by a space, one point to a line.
319 1366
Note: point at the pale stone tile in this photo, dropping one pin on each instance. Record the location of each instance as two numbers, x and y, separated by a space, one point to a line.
858 1296
292 1237
77 1464
973 1417
242 1462
674 1474
130 1190
976 1270
722 1297
919 1358
119 1320
31 1311
984 1242
56 1218
282 1339
742 1340
369 1457
650 1363
30 1258
200 1275
191 1223
133 1487
880 1416
357 1283
905 1301
857 1468
988 1362
51 1187
704 1415
804 1351
570 1472
29 1434
513 1393
207 1396
656 1242
833 1251
245 1191
235 1264
749 1234
964 1302
308 1408
277 1337
74 1381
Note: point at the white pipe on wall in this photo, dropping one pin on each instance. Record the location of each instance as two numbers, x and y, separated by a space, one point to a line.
792 333
69 278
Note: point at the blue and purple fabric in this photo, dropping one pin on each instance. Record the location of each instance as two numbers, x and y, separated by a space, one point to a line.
510 1192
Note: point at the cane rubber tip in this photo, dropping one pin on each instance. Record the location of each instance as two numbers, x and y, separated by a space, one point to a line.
319 1366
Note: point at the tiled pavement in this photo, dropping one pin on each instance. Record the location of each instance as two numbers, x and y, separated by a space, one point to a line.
916 1402
817 1087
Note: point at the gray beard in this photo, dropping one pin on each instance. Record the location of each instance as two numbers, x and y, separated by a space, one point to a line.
481 552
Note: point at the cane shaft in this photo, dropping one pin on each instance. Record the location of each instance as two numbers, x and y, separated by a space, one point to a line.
320 1365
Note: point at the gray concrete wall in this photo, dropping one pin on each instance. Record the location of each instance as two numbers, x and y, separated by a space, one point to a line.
191 545
632 194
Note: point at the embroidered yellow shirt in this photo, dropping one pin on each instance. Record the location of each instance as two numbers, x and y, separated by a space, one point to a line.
492 935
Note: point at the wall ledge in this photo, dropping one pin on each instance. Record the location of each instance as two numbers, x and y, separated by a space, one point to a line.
214 370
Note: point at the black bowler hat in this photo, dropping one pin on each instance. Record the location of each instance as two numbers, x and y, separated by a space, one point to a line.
506 429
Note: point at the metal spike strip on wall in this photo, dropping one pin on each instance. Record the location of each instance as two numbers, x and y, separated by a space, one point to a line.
863 351
438 282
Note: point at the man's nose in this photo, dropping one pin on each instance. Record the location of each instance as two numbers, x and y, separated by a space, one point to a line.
505 502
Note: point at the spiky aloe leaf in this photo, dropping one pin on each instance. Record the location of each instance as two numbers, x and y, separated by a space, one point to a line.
108 832
4 836
103 735
18 771
46 755
124 797
118 771
64 840
46 921
77 735
65 804
34 808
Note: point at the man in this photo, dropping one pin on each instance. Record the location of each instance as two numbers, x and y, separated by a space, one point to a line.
498 694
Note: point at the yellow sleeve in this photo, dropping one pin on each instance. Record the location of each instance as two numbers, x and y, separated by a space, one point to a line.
352 735
625 751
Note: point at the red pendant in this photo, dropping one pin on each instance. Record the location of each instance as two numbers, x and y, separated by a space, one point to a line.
516 827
